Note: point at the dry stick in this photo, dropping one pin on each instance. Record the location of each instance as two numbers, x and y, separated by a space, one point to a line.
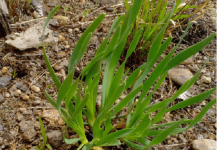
123 119
135 102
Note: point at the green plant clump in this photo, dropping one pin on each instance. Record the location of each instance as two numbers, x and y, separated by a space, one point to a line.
139 123
153 16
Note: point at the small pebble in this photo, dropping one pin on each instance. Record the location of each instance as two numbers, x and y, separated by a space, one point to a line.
62 47
4 70
35 88
61 38
23 109
70 30
7 94
67 46
37 102
203 103
17 93
27 112
207 80
76 30
25 97
57 67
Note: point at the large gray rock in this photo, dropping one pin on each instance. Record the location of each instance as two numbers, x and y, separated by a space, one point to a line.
31 38
180 76
204 144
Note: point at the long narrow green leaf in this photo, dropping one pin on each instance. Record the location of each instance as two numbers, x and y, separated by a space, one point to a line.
117 108
80 106
83 47
134 11
49 67
160 137
191 101
157 41
135 146
171 123
202 113
79 44
159 116
134 43
71 93
54 103
143 125
71 141
114 136
43 131
189 52
64 88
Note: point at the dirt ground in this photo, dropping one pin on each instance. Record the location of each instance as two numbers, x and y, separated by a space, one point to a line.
22 97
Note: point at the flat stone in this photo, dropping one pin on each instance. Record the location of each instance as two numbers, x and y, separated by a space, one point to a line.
29 135
204 144
180 76
54 138
7 136
53 117
4 81
26 125
31 38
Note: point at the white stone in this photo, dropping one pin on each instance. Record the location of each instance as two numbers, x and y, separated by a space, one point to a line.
204 144
35 88
31 38
207 80
70 30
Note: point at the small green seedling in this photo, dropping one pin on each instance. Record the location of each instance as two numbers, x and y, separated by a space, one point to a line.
44 143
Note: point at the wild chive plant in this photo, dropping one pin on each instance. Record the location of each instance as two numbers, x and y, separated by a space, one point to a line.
153 16
139 124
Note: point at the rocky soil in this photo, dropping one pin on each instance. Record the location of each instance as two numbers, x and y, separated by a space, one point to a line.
23 75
